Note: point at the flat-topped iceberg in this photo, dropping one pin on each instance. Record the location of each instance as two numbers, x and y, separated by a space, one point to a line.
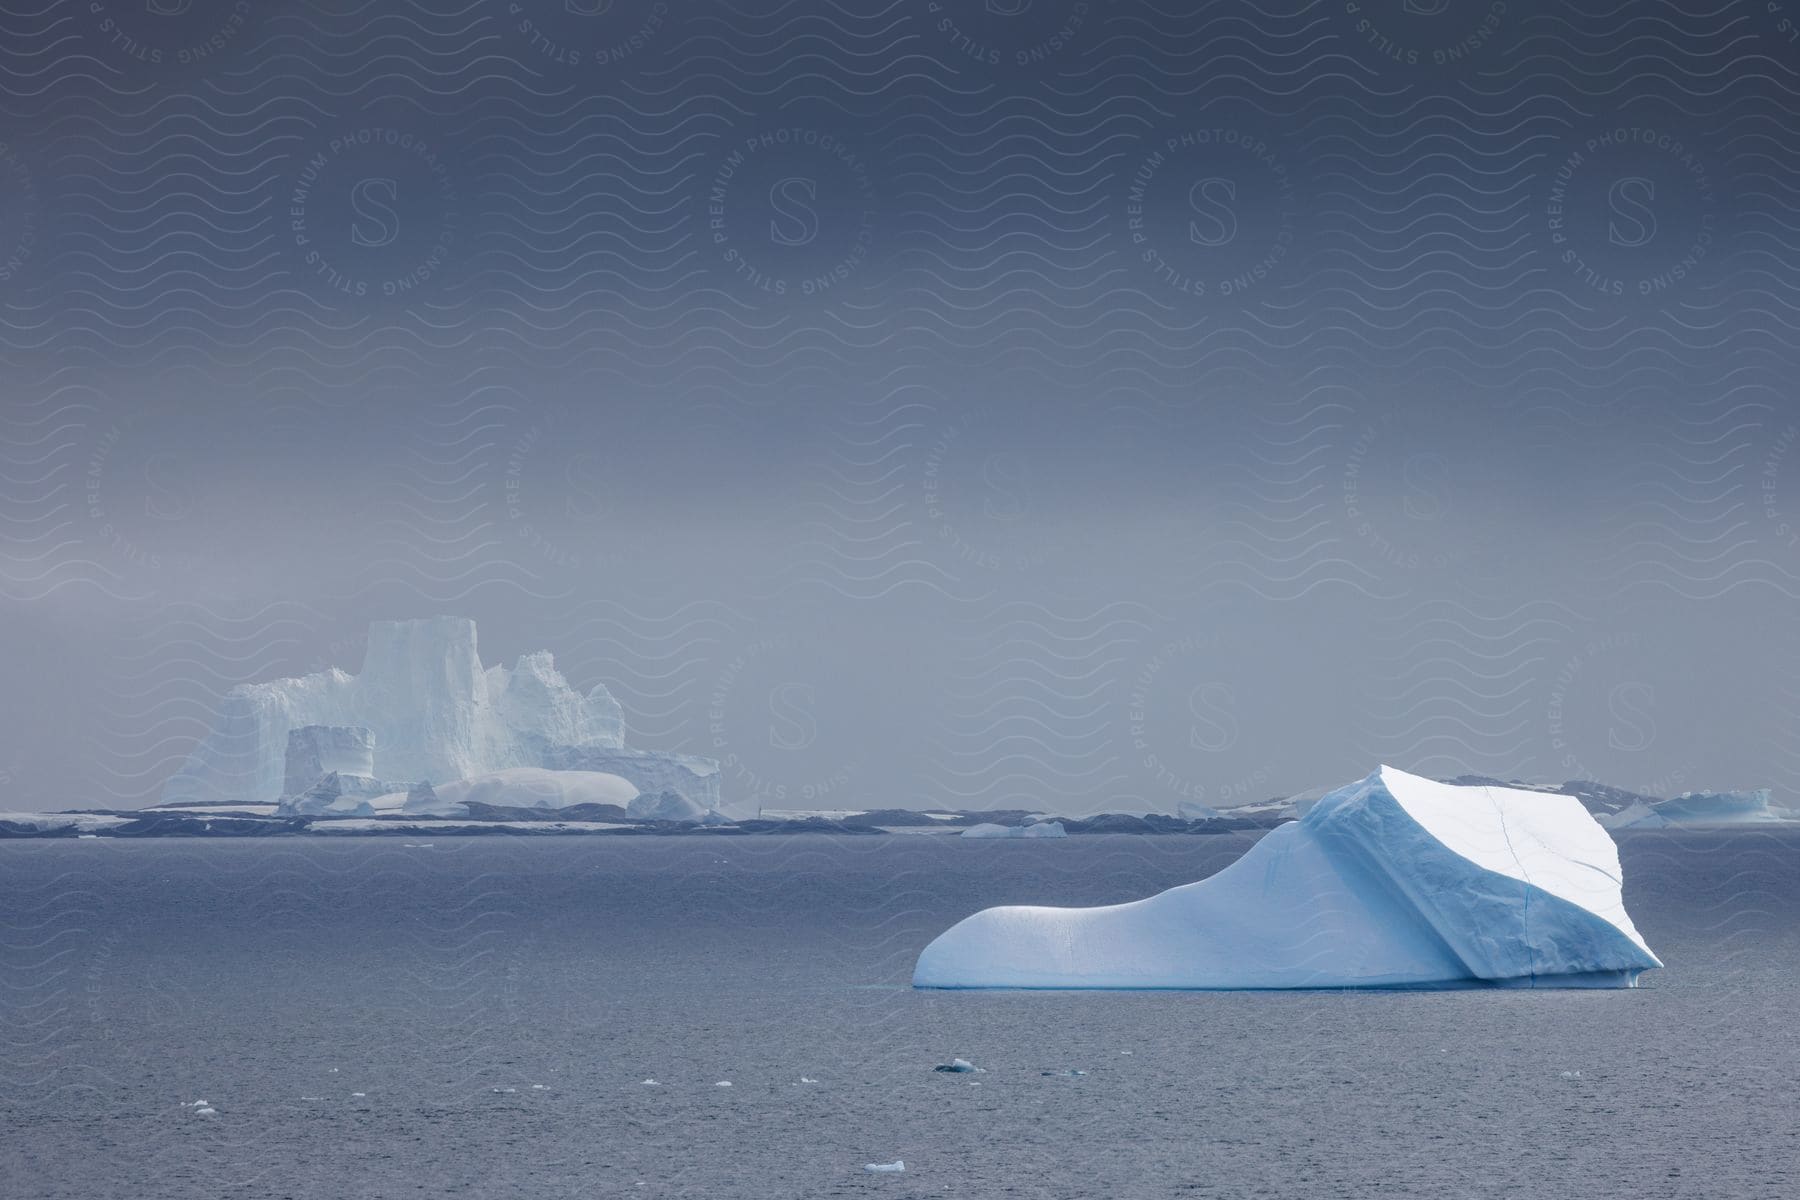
1396 881
424 709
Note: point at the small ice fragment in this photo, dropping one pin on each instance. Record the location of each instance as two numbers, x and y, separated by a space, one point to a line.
651 1083
208 1111
958 1066
540 1087
723 1083
502 1091
1571 1074
893 1168
358 1095
804 1079
1071 1073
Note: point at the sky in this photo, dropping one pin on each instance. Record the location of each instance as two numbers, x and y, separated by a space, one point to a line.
1015 403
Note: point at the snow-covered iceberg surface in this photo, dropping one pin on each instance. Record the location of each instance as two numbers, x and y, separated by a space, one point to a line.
1396 881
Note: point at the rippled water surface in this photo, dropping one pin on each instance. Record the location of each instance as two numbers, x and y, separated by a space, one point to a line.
478 1017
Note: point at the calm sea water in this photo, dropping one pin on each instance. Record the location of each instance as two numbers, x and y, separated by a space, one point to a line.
477 1017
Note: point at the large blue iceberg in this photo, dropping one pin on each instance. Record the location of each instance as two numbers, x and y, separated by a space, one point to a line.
1396 881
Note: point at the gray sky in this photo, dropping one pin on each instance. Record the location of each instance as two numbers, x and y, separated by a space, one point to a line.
1075 407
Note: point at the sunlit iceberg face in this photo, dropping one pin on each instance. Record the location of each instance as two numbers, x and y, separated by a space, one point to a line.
1396 881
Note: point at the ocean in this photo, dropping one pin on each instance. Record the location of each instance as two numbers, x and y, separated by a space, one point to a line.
371 1017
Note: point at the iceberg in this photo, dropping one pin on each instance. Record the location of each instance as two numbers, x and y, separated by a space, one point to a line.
422 708
1396 881
1042 829
1720 808
314 751
337 794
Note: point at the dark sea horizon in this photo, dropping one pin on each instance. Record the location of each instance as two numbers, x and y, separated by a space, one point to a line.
442 1016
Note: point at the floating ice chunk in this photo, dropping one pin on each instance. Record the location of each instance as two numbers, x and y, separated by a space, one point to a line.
1391 882
804 1079
1043 829
503 1091
723 1083
959 1066
893 1168
1070 1074
1571 1075
540 1087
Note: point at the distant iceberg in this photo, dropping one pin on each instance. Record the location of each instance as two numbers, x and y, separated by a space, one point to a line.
1721 808
1396 881
1042 829
423 708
